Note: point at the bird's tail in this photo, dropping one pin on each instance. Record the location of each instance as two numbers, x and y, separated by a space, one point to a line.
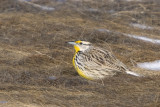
133 73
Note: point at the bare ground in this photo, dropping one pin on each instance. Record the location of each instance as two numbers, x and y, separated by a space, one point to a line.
36 62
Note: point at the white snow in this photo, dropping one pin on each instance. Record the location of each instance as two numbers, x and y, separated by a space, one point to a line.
38 6
132 73
156 41
61 0
104 30
155 65
141 26
111 11
47 8
132 0
52 78
92 10
2 102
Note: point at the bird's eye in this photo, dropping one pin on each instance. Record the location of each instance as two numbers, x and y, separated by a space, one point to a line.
80 43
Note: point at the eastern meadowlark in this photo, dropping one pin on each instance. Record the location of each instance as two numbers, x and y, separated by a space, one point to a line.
94 63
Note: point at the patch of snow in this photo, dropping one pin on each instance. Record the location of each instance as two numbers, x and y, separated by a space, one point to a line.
61 0
31 0
103 30
132 0
132 73
27 0
141 26
47 8
111 11
155 65
38 6
156 41
2 102
52 78
92 10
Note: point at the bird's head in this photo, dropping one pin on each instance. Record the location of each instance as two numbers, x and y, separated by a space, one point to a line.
81 45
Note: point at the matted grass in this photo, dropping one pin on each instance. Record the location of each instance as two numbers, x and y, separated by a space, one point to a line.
36 62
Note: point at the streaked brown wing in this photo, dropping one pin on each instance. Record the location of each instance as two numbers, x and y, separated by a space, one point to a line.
103 60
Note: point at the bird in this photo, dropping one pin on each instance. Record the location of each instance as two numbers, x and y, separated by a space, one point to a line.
95 63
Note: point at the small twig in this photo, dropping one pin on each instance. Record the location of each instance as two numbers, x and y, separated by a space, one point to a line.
134 63
157 98
102 82
142 6
44 54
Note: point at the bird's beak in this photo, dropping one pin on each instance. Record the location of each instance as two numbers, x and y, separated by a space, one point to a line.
72 43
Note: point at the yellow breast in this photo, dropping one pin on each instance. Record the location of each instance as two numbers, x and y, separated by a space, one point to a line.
80 72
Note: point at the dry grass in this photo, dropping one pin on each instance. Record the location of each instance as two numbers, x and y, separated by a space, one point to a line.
35 60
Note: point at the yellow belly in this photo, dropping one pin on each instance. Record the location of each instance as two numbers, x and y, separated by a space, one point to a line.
80 72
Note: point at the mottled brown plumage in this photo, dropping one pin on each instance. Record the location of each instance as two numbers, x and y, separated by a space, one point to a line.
96 63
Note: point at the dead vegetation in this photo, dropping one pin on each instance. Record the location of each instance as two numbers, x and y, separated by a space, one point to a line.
35 60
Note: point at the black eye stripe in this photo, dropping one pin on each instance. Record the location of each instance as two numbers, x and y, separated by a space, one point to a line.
85 44
81 43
